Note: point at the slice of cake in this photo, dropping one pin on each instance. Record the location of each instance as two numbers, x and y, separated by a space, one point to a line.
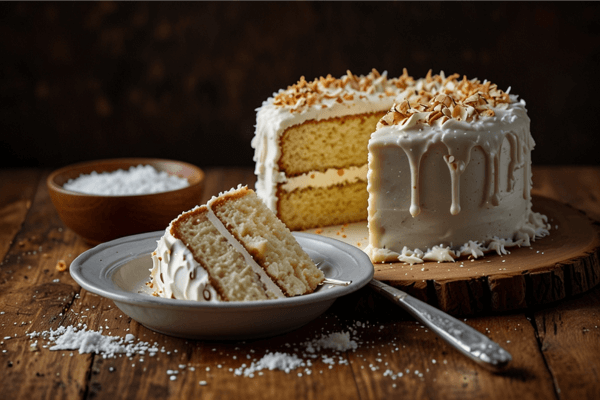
232 249
450 173
311 147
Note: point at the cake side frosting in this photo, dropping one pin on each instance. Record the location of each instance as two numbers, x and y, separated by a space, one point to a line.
451 163
177 275
321 99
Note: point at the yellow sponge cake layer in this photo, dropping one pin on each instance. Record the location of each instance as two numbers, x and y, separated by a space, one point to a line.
333 143
308 208
319 128
268 240
229 274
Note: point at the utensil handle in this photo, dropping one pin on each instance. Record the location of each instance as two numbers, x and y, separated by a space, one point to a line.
459 335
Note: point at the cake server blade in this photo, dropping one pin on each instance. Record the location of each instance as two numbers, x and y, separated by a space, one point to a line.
457 334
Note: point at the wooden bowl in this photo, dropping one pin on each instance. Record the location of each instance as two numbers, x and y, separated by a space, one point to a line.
99 219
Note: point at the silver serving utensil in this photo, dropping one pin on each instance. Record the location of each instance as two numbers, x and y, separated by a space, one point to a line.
459 335
336 282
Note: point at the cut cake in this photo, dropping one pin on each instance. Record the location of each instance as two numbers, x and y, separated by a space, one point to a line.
232 249
311 147
448 165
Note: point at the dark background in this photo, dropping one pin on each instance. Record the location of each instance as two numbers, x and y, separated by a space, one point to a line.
82 81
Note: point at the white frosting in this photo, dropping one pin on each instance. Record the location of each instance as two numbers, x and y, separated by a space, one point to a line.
451 182
471 248
177 275
272 121
407 256
439 253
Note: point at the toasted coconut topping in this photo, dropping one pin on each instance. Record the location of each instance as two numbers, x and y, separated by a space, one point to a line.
329 90
437 99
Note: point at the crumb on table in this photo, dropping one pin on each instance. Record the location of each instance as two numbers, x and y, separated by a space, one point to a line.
61 266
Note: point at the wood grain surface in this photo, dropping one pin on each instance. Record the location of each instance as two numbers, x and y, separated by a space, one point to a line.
555 347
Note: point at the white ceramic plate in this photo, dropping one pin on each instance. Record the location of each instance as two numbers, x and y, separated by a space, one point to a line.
119 269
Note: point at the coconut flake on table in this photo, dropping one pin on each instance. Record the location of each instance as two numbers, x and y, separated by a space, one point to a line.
143 179
300 356
337 341
271 361
71 338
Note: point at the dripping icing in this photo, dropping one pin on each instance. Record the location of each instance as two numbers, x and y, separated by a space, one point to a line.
498 140
459 145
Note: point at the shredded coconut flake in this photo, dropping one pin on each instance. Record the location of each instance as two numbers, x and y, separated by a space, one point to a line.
339 341
437 99
271 361
70 338
143 179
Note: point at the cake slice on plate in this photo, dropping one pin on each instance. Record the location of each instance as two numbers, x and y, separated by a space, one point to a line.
232 249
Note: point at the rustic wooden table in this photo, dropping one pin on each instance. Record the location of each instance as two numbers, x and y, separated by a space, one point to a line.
556 348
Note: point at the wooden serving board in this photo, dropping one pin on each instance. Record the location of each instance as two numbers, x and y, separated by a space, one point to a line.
563 264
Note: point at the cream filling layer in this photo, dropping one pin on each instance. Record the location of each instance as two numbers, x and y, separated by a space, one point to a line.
331 177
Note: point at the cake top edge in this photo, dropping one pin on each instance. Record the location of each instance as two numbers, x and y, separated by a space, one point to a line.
441 97
231 194
438 99
195 212
327 91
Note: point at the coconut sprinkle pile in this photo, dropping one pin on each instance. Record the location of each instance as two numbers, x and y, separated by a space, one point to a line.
303 358
84 341
143 179
337 341
437 99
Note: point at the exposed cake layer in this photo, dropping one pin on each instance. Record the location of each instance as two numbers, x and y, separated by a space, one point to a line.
339 142
326 205
449 174
268 240
206 268
281 122
232 249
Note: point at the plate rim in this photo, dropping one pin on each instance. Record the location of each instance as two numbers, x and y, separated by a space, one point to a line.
119 295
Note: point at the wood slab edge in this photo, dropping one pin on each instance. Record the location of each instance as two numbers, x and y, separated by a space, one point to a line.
501 293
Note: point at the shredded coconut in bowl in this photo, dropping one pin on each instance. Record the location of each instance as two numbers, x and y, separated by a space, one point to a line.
143 179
